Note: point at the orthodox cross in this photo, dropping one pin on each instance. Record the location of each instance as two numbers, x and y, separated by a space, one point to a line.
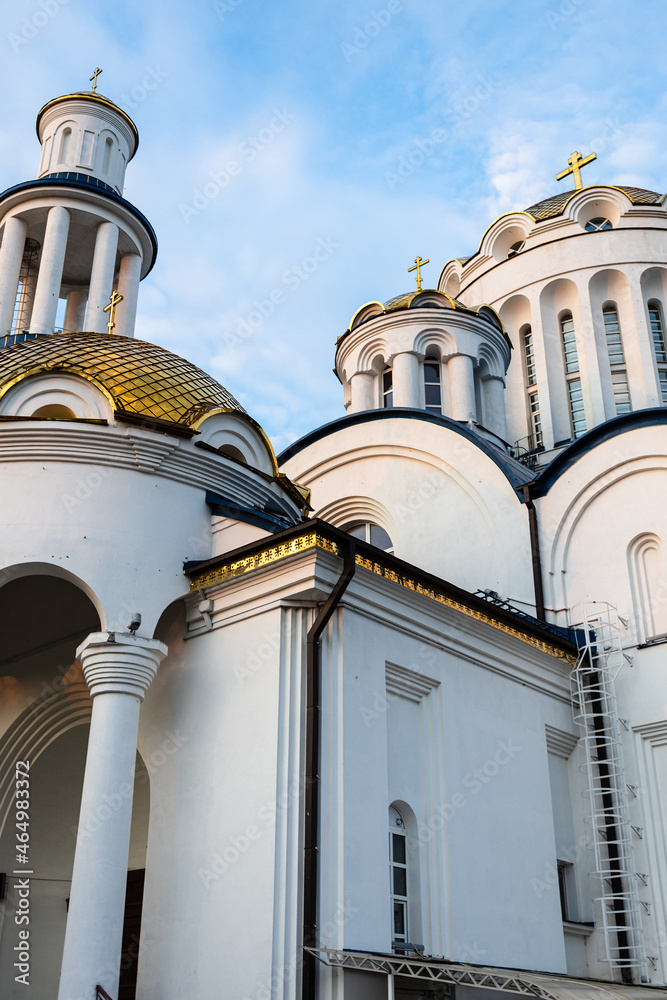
95 76
419 263
576 161
114 299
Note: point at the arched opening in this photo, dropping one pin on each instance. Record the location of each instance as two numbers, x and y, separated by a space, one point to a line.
55 411
231 452
44 720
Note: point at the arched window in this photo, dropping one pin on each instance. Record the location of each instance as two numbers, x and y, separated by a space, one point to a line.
432 385
619 375
55 411
574 387
658 337
387 387
595 225
516 248
398 877
536 437
108 150
371 533
65 143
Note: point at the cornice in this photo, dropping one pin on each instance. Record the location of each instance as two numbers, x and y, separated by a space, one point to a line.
316 535
422 317
137 450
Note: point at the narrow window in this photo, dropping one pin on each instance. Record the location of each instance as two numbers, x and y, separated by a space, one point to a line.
619 375
574 388
387 388
65 142
106 163
432 386
536 439
565 872
398 876
576 397
658 337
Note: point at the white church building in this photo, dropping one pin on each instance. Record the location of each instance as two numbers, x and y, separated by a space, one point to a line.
384 716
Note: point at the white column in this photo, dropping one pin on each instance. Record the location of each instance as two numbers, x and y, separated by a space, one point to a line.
128 286
50 275
11 255
461 387
362 392
101 278
75 311
406 380
118 669
494 406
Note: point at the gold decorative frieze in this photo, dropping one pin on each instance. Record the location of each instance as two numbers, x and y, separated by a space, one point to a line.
313 540
263 558
450 602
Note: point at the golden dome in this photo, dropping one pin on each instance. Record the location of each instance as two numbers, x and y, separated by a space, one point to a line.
139 378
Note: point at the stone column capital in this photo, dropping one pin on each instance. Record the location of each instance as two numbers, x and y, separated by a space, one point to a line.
120 662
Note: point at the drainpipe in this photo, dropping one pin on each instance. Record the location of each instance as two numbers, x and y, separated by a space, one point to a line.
312 784
540 610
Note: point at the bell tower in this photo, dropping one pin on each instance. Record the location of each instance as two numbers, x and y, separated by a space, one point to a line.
70 234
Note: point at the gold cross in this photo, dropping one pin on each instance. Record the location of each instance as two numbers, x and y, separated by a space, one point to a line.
576 161
114 299
419 263
95 76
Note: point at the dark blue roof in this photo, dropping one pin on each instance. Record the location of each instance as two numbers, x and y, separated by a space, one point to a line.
517 475
654 416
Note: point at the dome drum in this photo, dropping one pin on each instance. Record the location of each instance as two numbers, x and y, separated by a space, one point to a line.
427 351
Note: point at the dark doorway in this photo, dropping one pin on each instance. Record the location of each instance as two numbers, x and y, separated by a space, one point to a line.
129 960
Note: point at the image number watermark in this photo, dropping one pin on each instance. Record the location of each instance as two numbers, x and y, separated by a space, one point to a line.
22 881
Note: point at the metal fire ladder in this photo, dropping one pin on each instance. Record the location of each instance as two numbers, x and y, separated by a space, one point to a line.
598 636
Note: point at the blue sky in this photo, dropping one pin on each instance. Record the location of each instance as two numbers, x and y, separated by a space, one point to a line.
309 115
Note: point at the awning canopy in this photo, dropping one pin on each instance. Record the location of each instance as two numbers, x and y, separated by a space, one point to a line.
532 984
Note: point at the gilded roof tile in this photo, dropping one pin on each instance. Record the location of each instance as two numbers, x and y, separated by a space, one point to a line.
141 378
552 207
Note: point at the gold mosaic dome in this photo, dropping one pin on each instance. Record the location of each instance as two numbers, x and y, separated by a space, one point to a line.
140 379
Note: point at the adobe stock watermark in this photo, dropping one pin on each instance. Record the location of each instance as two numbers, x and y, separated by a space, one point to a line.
573 854
224 7
113 801
238 845
474 781
364 34
85 487
149 82
557 16
284 974
425 147
248 150
291 281
32 25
